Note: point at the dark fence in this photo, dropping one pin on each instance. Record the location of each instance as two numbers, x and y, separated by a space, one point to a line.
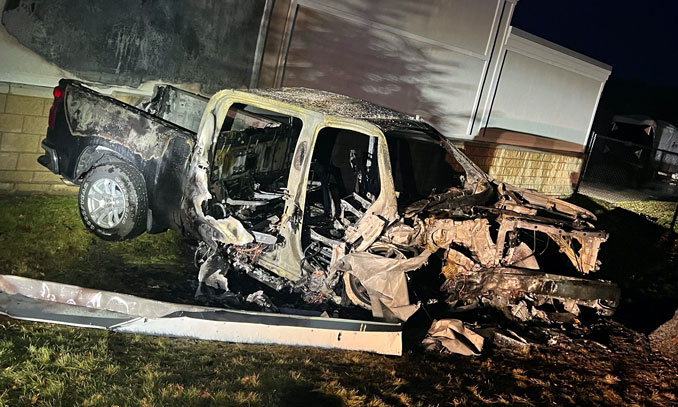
616 170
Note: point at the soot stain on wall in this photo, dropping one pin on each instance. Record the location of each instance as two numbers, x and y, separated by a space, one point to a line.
127 42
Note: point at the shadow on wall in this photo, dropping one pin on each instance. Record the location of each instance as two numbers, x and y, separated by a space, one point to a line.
346 56
127 42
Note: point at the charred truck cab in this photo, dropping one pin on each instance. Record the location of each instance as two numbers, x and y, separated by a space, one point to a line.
335 222
332 199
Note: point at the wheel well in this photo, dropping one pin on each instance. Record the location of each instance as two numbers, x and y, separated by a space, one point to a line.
92 157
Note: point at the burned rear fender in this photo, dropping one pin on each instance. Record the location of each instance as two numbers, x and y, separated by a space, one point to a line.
105 130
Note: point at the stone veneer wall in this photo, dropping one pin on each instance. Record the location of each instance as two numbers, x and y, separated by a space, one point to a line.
23 126
549 172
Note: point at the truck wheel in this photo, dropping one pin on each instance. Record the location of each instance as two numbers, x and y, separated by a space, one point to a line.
113 202
354 289
355 292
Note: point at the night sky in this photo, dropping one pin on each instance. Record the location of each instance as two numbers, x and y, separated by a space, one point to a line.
638 38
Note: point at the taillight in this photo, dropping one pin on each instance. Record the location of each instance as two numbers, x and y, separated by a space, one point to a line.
58 96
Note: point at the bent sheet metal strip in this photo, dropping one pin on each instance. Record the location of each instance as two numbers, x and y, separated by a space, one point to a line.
43 301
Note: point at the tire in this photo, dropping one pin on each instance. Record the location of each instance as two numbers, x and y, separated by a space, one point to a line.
353 288
355 292
113 201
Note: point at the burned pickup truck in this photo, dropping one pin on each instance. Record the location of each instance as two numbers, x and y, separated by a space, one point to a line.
332 199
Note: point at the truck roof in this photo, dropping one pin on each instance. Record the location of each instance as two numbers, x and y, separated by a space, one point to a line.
335 104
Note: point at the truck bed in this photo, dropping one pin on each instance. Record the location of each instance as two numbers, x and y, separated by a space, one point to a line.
89 129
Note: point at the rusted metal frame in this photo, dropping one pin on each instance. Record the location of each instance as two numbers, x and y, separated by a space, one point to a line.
515 282
505 226
550 204
558 235
525 224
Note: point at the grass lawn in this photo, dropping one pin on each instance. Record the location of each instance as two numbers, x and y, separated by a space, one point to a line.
45 365
659 210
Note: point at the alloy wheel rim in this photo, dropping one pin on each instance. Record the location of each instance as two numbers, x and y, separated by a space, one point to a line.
106 203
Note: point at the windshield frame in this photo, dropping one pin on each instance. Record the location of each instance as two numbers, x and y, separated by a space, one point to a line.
473 172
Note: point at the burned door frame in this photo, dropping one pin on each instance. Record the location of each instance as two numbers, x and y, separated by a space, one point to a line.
383 210
285 260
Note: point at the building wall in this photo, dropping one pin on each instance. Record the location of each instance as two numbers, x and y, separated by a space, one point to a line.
23 125
546 90
456 63
432 58
129 42
521 100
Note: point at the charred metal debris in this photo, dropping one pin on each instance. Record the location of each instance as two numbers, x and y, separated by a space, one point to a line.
374 210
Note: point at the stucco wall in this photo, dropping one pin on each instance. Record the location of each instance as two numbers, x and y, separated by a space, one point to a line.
432 58
546 90
129 42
